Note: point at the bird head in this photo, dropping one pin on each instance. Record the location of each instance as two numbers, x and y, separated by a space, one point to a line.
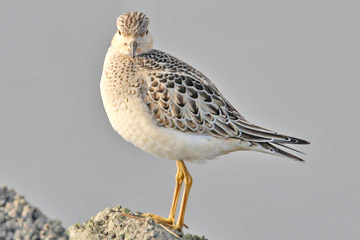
133 37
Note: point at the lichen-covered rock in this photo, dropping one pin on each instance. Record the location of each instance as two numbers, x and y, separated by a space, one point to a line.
121 224
19 220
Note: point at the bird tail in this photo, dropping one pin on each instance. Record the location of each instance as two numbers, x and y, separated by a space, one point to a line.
272 149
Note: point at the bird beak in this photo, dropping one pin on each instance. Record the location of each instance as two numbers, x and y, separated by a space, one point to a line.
133 47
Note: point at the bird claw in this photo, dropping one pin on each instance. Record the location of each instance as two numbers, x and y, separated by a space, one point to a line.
165 221
159 219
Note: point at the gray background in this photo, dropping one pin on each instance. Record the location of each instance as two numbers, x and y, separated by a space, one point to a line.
291 66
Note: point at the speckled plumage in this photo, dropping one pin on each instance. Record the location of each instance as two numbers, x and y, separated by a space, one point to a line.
170 109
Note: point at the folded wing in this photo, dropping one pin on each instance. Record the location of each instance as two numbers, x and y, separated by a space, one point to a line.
182 98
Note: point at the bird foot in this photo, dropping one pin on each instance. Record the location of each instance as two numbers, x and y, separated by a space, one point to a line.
158 219
168 222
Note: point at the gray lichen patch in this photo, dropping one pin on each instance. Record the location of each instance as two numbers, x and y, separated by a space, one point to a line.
121 224
19 220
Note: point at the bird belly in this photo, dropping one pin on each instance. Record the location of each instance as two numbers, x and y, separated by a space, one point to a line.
130 118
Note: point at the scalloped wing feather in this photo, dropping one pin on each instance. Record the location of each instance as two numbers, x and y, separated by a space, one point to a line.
182 98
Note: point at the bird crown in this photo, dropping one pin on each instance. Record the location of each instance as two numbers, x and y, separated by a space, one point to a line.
132 23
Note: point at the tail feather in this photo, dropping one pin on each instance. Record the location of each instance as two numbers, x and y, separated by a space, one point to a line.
292 149
270 148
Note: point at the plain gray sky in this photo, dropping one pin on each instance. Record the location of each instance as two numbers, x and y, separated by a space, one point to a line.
291 66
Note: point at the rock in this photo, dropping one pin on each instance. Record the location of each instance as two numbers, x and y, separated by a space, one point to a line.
120 223
19 220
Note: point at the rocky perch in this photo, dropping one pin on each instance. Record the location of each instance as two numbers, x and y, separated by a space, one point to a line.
19 220
120 223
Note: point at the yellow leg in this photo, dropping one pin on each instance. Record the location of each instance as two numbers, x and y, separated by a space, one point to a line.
170 221
188 183
179 178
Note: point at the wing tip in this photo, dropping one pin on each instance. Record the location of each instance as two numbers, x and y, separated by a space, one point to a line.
302 141
293 140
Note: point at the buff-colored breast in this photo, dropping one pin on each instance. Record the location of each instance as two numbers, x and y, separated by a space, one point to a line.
122 90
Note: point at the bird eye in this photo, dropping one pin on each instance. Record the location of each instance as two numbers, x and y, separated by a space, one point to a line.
147 31
119 32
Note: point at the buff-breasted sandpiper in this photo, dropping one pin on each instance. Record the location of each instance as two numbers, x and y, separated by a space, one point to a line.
171 110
